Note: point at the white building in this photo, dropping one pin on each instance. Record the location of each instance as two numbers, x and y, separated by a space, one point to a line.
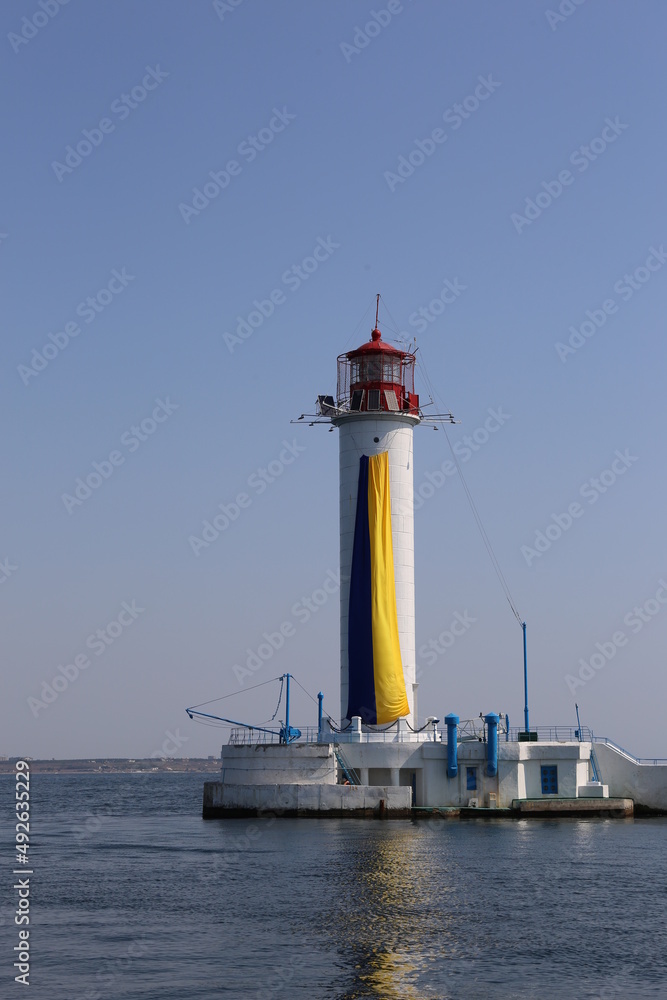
364 766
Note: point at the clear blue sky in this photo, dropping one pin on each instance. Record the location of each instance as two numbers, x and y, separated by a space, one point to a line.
170 92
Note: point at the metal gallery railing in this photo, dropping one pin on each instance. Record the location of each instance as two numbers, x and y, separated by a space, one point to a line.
470 730
660 761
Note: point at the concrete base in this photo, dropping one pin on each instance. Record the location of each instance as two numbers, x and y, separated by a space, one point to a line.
463 812
593 790
574 807
279 763
223 800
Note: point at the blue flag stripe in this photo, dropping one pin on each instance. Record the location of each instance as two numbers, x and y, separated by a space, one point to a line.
361 691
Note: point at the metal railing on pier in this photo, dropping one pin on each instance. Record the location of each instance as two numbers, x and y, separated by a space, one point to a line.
470 730
554 734
246 735
626 753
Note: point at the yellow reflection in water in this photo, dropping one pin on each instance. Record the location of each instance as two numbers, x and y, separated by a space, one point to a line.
391 926
388 976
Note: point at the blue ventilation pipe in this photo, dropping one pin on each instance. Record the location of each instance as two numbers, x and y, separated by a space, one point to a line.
320 699
492 721
452 722
526 721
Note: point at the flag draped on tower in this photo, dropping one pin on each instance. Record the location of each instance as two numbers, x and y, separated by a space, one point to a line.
376 683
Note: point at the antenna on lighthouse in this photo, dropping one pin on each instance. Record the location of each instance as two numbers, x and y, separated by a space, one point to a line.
377 310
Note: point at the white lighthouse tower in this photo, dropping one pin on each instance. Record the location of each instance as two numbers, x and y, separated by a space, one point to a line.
376 411
379 760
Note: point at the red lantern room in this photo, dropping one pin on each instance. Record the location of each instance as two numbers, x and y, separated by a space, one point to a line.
376 377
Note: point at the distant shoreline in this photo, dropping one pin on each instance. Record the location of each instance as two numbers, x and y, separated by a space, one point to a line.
114 765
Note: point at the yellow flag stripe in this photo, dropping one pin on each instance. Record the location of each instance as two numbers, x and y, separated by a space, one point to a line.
390 695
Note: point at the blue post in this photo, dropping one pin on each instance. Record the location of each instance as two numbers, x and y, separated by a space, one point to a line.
287 734
507 728
287 729
320 699
452 722
579 736
525 680
492 721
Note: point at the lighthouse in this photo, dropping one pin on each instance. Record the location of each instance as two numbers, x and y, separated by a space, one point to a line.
376 411
379 760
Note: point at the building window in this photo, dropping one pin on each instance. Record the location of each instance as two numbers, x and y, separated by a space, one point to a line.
357 399
392 371
371 370
391 399
373 399
549 780
471 779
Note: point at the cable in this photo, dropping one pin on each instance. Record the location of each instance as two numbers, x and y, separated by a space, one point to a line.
234 693
396 330
334 728
280 695
303 689
478 520
209 722
485 537
354 332
421 730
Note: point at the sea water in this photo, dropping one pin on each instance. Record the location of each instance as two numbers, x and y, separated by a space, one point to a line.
133 895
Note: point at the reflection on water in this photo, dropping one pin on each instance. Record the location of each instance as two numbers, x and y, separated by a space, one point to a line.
169 907
384 887
386 975
393 911
449 910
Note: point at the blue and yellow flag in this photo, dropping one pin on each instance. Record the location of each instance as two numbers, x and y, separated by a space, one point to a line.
376 683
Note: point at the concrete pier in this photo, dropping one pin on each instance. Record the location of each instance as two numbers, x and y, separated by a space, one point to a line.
614 808
222 800
392 774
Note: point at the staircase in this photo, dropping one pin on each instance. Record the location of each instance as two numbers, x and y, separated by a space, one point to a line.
350 774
